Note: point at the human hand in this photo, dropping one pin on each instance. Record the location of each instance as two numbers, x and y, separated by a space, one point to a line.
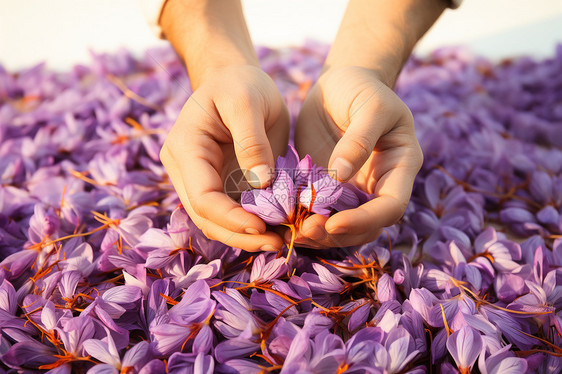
235 119
353 123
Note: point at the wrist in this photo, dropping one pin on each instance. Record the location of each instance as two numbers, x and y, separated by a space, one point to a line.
208 35
384 68
373 73
202 69
380 35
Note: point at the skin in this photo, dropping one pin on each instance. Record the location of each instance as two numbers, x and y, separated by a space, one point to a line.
236 118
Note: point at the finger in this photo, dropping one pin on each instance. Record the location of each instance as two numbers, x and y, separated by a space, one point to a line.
337 240
252 147
348 240
302 241
393 190
368 124
313 227
266 242
203 186
380 212
269 241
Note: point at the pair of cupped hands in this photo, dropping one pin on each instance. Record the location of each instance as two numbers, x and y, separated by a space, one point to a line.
350 122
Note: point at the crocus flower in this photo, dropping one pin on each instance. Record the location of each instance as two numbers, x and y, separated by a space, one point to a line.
465 346
185 362
187 322
299 189
107 353
323 353
502 361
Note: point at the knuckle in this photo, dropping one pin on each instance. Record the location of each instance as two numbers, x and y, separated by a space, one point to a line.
402 206
245 97
239 101
420 158
362 145
250 146
198 208
164 155
399 208
371 94
408 116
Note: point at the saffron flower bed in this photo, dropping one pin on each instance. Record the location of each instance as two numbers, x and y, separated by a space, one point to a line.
102 272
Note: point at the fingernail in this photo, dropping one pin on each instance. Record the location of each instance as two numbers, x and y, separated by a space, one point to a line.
251 230
268 248
341 169
258 176
337 230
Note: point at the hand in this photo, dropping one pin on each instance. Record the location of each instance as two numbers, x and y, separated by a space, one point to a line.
356 125
235 119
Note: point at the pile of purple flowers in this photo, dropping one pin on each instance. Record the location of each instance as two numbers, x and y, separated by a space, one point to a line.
102 271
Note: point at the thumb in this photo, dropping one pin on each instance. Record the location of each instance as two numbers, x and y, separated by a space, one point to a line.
359 140
253 150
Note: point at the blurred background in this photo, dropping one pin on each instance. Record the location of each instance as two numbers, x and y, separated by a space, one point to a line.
61 32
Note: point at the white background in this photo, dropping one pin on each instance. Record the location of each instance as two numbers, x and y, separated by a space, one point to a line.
61 32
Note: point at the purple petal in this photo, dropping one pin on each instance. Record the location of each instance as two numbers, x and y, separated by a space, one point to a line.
465 346
8 298
516 215
266 271
283 189
263 204
103 369
203 342
422 301
204 364
510 365
548 215
30 354
401 349
169 338
235 348
136 355
122 294
351 197
290 161
386 290
485 239
153 366
359 317
241 366
101 351
48 316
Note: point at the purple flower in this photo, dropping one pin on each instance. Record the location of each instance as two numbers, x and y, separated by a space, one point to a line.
321 353
191 363
234 314
186 323
239 366
465 346
385 288
266 270
299 189
29 354
107 353
502 361
369 350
